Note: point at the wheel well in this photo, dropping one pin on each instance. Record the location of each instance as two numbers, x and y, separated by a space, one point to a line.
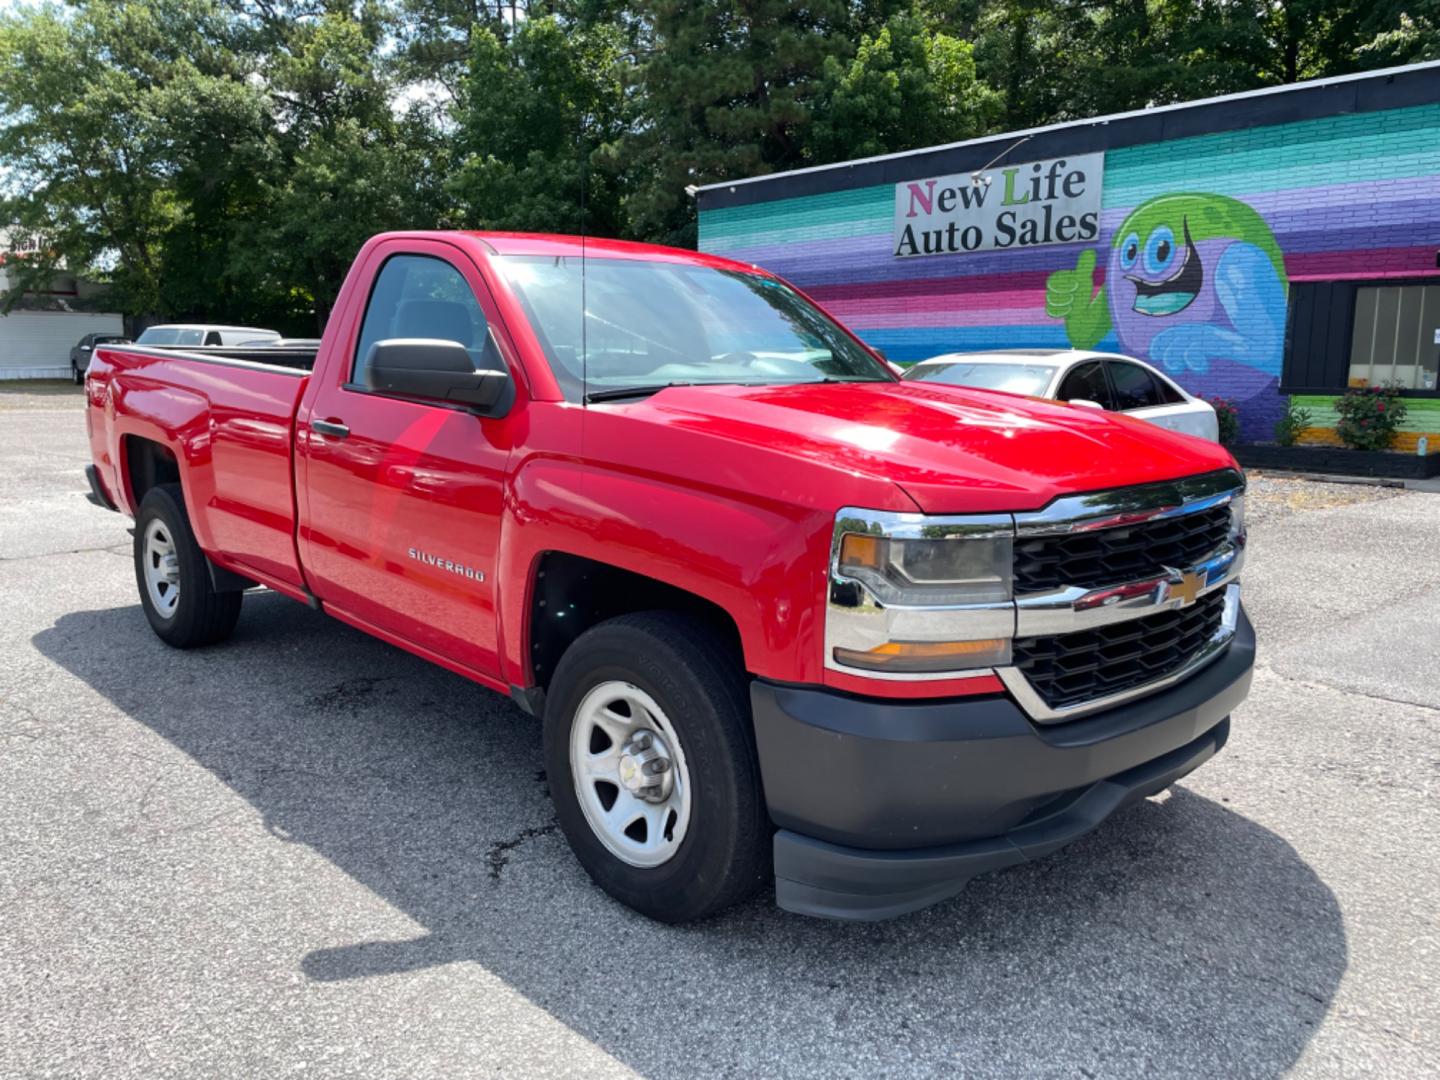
148 463
572 594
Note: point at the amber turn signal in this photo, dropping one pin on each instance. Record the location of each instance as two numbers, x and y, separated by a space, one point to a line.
927 656
857 549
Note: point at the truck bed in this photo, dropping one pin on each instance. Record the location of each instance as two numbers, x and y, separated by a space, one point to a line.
226 417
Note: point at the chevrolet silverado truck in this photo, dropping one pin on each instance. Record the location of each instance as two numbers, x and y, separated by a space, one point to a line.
781 615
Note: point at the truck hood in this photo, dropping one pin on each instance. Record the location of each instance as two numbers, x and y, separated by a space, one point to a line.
950 449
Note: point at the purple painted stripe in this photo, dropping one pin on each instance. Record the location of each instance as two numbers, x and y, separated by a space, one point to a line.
855 306
1408 199
944 287
1391 219
904 317
1391 262
813 272
1302 219
808 269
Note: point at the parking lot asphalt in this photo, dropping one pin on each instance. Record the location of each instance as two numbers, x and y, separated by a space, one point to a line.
304 851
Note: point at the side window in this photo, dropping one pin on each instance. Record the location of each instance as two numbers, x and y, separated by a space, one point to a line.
1088 382
1168 394
213 338
1134 388
418 296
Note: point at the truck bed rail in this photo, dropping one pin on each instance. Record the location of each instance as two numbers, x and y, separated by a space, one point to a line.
297 360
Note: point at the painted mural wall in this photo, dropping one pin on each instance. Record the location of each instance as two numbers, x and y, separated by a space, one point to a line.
1200 240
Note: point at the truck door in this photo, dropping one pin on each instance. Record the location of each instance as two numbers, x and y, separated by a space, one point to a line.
401 500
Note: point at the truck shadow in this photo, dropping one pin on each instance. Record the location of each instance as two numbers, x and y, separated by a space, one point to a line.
1179 937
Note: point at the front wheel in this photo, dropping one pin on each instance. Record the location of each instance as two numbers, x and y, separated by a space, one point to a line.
76 374
652 766
176 592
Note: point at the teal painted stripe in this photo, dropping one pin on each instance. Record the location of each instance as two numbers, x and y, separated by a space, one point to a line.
773 234
1328 150
1265 172
845 213
1412 127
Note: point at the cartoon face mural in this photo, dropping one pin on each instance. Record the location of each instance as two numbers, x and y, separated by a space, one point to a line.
1193 283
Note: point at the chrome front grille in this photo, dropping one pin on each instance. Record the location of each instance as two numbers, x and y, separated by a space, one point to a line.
1112 595
1089 665
1118 554
1121 593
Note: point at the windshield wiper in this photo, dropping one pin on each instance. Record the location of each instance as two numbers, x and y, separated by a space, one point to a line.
617 393
832 380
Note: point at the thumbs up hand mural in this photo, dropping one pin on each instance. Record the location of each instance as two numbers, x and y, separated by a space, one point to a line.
1070 295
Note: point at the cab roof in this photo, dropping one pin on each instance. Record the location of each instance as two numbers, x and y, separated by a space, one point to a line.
520 243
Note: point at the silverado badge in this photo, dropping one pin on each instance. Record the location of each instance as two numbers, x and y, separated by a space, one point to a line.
446 564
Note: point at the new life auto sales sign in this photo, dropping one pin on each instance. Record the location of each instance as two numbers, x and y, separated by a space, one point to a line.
1013 206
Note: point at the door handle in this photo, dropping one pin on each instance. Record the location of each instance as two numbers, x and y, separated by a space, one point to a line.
333 428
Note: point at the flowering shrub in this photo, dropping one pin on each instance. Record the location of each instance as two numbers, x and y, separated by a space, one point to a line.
1369 417
1228 414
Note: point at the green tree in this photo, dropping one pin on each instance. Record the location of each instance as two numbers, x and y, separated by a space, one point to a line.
907 86
349 162
113 110
530 113
723 91
1071 59
1411 36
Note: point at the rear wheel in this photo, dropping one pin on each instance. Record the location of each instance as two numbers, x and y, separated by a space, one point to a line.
176 592
652 766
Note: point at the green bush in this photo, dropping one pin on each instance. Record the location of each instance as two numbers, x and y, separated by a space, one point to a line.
1228 414
1289 426
1369 417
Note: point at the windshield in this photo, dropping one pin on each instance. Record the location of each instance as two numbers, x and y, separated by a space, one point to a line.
649 324
1016 378
170 335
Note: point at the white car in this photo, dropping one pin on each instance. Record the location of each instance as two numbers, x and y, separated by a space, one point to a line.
1098 380
204 334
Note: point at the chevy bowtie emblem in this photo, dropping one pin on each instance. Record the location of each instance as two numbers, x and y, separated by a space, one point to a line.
1186 587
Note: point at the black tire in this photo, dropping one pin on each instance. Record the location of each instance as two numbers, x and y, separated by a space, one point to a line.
201 616
76 374
700 684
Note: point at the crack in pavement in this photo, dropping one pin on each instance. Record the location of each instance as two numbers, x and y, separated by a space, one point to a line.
498 857
114 549
1350 691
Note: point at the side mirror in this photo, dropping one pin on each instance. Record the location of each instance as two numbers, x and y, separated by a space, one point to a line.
435 370
1085 403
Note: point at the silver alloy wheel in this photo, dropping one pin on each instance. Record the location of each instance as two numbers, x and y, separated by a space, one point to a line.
630 774
162 568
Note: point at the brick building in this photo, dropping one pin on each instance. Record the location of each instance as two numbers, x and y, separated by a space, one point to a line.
1279 243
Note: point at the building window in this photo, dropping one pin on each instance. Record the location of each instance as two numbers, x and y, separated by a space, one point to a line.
1394 338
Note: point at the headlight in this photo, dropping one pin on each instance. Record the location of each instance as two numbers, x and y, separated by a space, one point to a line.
915 597
950 570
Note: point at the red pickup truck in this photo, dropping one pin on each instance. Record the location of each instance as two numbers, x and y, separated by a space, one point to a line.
781 614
